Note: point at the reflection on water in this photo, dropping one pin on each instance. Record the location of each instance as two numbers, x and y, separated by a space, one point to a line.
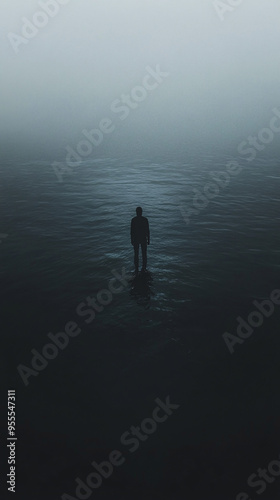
163 333
65 240
141 288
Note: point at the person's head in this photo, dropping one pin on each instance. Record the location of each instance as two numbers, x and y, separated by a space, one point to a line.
139 211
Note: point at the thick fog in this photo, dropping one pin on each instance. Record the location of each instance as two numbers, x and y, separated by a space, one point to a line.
219 59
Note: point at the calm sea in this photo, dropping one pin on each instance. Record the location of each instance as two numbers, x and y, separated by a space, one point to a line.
161 336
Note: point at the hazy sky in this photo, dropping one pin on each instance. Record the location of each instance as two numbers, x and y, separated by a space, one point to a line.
224 76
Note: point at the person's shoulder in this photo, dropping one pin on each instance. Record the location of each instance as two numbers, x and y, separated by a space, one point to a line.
145 219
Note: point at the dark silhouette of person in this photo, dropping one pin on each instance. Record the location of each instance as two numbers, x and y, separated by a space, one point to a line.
140 235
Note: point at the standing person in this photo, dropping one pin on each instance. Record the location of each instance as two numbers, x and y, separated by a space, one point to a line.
140 235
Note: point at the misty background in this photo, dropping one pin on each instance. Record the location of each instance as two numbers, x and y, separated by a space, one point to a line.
224 77
163 335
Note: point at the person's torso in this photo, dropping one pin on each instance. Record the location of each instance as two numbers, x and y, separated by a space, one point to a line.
140 225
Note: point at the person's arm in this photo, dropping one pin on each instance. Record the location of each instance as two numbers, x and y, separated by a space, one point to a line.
132 232
148 232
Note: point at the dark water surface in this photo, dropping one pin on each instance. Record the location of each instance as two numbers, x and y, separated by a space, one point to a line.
161 336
